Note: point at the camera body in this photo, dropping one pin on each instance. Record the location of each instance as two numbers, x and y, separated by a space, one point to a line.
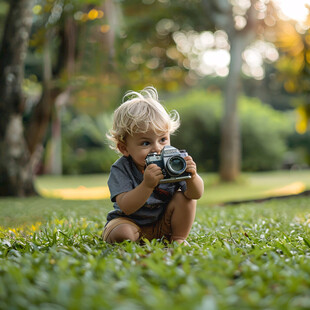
172 163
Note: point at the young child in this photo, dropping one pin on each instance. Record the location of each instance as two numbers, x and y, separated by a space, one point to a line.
143 208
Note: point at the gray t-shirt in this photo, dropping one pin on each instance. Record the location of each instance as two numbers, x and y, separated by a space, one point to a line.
124 177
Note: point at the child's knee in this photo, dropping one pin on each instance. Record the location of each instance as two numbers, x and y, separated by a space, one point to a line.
124 232
181 207
179 199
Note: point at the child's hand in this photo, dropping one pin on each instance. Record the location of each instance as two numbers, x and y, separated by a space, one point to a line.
194 185
190 166
152 175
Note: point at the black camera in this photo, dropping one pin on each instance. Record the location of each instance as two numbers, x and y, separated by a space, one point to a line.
172 163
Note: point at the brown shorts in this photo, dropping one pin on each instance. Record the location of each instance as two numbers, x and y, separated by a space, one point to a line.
158 230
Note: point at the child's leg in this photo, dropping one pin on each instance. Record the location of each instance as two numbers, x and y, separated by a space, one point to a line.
181 211
121 229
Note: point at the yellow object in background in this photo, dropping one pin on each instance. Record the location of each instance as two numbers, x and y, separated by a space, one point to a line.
291 189
79 193
302 120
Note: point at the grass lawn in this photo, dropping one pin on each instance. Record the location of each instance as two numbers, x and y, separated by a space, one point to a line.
249 256
249 186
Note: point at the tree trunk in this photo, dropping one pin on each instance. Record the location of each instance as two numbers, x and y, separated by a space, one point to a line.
47 110
110 8
54 163
40 118
16 177
230 150
67 65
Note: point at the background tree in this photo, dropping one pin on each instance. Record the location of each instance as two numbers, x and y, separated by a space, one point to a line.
230 150
293 42
76 47
84 54
15 158
151 54
56 35
243 21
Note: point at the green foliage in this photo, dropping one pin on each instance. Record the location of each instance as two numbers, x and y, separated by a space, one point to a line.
300 146
3 11
85 161
263 131
293 67
241 257
151 56
199 132
85 147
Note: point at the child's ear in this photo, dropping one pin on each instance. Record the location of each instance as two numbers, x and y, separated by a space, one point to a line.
122 148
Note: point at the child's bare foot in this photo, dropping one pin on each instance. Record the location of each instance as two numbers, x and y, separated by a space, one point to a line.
182 241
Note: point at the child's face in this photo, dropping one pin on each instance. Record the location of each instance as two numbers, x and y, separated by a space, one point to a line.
140 145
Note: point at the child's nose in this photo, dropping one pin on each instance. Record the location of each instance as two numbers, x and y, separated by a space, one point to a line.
157 148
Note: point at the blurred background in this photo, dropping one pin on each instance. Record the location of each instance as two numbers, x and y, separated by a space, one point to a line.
237 71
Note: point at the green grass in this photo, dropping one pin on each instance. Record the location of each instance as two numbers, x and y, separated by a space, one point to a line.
71 181
16 212
252 256
249 185
249 256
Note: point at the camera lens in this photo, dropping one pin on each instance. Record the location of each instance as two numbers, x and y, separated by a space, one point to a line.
176 165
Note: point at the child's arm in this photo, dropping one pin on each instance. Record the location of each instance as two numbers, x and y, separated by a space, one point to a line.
131 201
194 185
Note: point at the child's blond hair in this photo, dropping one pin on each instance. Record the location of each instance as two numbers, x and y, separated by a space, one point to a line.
139 113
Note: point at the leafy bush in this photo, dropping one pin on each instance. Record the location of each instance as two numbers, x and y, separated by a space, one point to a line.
263 131
90 160
299 144
85 147
199 132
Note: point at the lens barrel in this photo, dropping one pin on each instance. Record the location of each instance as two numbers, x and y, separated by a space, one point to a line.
176 165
